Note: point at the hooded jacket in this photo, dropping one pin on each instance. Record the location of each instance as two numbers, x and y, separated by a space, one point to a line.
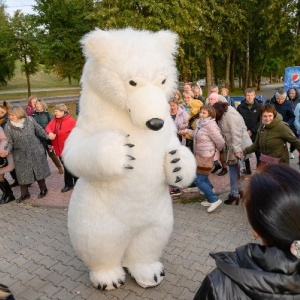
62 127
271 140
252 272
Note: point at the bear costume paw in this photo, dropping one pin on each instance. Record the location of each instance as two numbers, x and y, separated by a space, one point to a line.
147 275
109 279
178 163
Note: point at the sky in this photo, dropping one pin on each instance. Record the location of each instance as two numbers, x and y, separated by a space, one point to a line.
23 5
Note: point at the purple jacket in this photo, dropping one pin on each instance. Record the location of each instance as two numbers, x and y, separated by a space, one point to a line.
181 119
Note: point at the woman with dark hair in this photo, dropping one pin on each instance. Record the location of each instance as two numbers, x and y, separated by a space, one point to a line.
236 137
271 270
272 135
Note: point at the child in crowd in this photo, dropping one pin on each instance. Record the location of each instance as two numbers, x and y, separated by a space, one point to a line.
30 108
271 270
207 138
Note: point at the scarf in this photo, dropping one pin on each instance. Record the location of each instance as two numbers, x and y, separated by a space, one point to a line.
202 122
19 124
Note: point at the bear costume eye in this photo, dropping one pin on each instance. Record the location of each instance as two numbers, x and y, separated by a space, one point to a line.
133 83
164 81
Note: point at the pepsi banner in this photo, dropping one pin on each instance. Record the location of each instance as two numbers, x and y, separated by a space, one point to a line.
292 77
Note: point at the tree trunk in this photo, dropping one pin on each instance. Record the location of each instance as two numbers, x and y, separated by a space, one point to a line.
227 74
247 64
232 66
27 77
70 80
208 73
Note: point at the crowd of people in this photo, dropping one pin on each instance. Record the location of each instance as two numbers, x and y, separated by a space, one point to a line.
26 137
252 127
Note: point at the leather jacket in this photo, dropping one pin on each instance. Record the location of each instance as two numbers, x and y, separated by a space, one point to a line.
252 272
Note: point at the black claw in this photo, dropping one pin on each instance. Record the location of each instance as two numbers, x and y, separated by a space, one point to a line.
99 287
104 287
129 145
128 167
131 157
173 152
127 271
176 169
162 273
121 281
178 178
115 285
175 160
155 278
128 135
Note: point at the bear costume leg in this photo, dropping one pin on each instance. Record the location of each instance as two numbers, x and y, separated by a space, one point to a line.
142 256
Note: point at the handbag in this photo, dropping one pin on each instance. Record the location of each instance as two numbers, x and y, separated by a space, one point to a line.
268 160
3 162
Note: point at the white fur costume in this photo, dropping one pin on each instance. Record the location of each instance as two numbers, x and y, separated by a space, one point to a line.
125 151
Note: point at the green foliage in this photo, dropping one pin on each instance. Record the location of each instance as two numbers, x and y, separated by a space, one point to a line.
62 25
7 56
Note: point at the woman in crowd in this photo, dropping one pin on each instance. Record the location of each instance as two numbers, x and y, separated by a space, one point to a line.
272 135
30 108
194 109
43 117
294 97
58 131
180 117
224 93
4 107
234 130
271 270
207 138
6 165
31 164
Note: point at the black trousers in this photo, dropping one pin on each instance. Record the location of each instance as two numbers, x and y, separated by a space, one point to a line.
69 178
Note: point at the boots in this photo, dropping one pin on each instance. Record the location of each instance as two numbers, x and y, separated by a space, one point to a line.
7 192
232 199
14 177
248 168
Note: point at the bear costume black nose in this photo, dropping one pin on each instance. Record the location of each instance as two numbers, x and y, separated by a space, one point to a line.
155 124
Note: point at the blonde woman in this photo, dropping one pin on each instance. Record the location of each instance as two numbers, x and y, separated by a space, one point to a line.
30 158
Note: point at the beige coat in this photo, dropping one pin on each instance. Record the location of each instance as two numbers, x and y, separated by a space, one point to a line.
235 133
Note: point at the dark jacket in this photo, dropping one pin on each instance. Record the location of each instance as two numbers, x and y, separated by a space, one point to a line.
271 140
285 109
252 272
43 118
250 114
296 100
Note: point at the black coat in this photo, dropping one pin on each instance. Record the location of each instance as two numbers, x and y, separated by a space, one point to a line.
251 116
252 272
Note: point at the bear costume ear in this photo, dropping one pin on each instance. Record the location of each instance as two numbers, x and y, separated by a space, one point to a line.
91 41
169 39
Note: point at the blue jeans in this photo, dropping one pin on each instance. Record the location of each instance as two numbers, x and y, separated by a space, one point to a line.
235 184
202 182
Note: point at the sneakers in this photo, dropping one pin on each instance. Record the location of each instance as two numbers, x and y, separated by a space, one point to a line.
205 203
292 156
175 192
214 205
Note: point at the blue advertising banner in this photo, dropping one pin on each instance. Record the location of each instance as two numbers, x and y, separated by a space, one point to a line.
292 77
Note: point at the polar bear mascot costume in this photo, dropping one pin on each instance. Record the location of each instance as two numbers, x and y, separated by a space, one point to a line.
126 153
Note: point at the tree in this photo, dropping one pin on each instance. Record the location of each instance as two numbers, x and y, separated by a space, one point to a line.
26 45
181 17
7 56
63 24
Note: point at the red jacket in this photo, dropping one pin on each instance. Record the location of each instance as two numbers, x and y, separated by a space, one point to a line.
62 128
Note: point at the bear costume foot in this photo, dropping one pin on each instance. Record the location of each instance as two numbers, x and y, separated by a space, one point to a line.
147 275
109 279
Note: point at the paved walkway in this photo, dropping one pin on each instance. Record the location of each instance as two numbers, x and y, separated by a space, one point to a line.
38 262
